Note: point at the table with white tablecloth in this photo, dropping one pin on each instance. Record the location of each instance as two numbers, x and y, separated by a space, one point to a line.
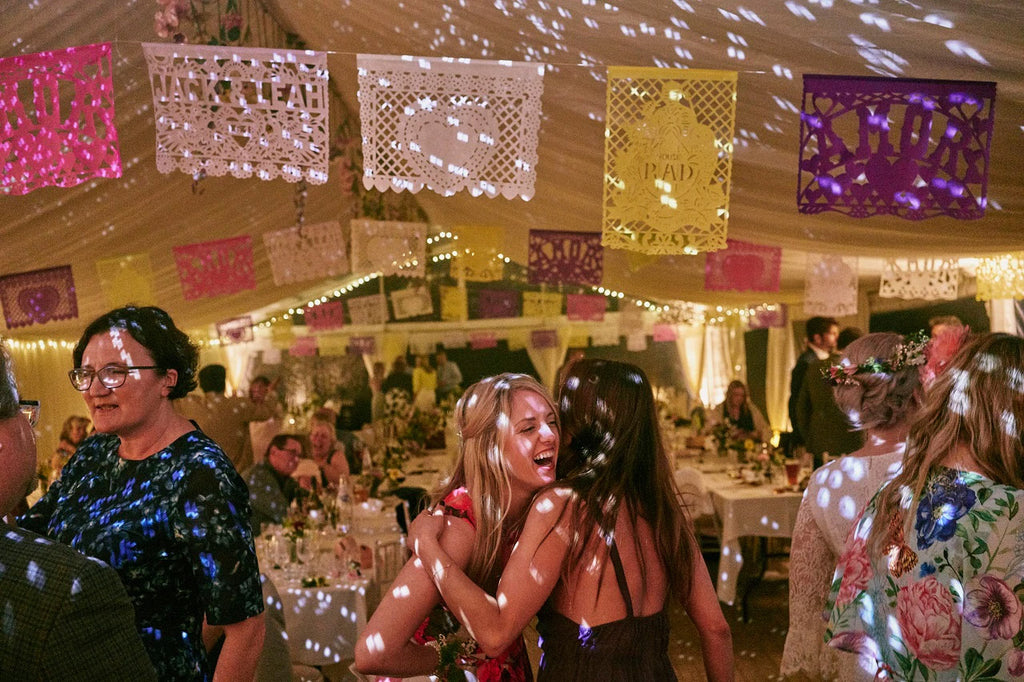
321 623
742 509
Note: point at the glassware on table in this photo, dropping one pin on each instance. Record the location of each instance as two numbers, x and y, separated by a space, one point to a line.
792 472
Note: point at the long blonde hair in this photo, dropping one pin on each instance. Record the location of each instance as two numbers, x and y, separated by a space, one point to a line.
482 418
978 403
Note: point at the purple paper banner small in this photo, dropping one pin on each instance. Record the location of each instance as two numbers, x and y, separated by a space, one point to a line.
544 338
764 319
493 303
585 307
895 146
565 257
326 316
362 345
743 267
38 296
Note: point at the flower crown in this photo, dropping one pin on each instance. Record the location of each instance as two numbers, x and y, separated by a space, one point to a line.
911 353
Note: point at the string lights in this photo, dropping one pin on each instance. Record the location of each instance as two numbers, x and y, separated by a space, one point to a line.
441 248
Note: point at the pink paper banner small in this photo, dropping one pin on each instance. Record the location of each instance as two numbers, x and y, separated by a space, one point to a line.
362 345
565 258
585 307
38 297
743 267
895 146
215 268
479 340
303 346
493 303
235 330
58 119
663 332
326 316
544 338
764 319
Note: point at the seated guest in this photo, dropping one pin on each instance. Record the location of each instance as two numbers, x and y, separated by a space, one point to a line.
271 486
878 387
325 449
929 582
73 432
742 417
65 616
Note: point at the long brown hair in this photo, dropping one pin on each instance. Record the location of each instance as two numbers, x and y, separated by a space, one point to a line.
977 403
878 400
612 459
482 419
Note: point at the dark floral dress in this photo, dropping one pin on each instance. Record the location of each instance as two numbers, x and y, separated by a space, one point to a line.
512 664
175 526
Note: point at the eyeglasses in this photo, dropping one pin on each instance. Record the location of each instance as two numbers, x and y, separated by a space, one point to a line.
111 376
30 408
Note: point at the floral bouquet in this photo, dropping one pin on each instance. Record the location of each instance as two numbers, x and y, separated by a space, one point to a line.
727 442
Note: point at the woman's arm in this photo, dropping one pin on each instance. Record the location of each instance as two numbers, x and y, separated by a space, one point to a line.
706 613
812 565
385 646
527 580
239 654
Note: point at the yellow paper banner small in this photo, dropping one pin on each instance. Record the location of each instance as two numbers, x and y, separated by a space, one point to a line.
454 304
668 159
126 279
478 249
282 335
1001 277
542 304
333 344
516 339
578 339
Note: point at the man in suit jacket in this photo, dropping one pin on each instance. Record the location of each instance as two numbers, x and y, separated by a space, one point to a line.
824 427
63 616
822 334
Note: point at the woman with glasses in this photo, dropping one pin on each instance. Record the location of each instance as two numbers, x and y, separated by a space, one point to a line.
157 500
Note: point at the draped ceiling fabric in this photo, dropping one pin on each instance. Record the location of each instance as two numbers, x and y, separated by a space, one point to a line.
770 44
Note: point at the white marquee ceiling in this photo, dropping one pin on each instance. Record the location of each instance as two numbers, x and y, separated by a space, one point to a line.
771 43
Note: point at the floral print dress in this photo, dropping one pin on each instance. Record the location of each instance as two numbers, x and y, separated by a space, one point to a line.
175 527
944 604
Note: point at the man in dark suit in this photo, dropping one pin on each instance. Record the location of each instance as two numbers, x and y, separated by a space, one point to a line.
824 427
62 616
822 333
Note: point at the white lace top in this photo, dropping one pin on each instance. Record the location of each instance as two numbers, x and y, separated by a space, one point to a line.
835 496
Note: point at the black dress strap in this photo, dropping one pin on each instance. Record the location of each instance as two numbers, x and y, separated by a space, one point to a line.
620 577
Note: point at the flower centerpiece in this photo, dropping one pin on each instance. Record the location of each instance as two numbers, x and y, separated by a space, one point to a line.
728 443
764 461
402 432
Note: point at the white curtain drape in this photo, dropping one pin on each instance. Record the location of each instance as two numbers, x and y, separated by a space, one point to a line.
725 359
41 370
780 361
